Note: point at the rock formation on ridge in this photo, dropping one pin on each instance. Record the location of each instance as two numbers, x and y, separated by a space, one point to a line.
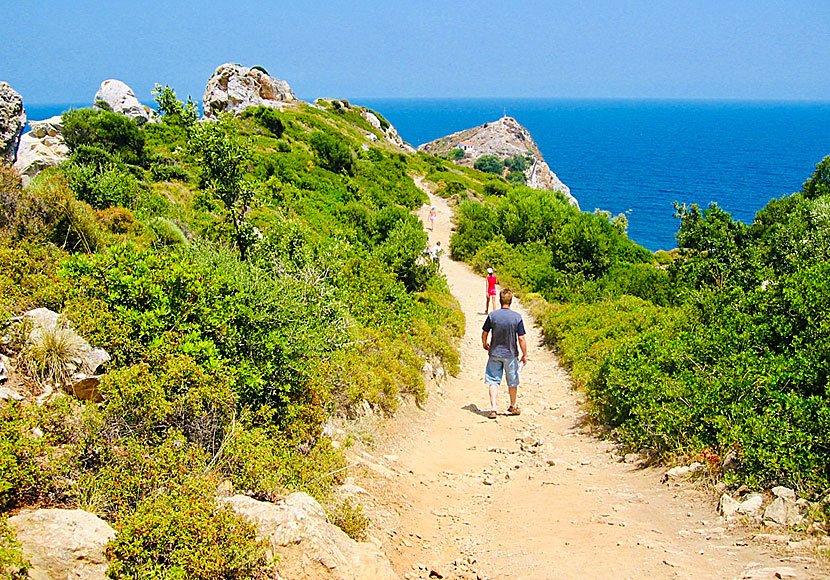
41 147
120 98
233 88
504 138
12 121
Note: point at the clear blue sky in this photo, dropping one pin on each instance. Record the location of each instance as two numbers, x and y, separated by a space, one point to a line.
59 52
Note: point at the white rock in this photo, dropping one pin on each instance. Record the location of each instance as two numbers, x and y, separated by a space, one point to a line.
12 121
233 88
121 99
683 471
728 505
305 545
751 504
63 543
783 492
40 148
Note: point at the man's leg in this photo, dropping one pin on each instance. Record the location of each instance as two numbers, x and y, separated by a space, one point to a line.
492 378
494 395
513 392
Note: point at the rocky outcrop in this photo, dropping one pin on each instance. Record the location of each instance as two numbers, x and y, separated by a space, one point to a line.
233 88
41 147
306 546
388 131
85 360
120 98
504 138
12 121
63 543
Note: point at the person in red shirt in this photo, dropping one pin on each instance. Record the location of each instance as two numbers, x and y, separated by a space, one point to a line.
491 291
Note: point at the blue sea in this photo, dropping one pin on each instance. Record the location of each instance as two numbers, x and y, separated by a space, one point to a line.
638 156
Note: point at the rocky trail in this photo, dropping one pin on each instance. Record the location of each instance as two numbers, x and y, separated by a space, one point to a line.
455 495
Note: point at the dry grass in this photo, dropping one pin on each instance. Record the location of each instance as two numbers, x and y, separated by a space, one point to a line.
53 357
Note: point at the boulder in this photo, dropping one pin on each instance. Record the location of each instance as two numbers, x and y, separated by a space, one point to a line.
85 360
682 472
63 543
120 98
728 506
751 504
41 147
306 546
233 88
12 121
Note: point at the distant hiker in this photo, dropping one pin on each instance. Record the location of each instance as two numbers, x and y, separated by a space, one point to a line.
508 331
437 250
432 215
490 296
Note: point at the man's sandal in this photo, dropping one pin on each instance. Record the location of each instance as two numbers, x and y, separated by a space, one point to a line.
492 415
514 410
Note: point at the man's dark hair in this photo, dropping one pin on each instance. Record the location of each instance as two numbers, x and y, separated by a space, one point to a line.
506 297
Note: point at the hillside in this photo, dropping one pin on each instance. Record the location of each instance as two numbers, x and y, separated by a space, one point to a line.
505 139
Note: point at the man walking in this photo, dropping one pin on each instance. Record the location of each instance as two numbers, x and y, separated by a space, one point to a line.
508 333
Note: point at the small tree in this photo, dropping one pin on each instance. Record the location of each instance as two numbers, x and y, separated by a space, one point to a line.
222 155
173 110
455 154
489 164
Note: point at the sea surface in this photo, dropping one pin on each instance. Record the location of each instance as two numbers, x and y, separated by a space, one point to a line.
639 156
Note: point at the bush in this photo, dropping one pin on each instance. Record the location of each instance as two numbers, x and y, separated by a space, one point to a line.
118 220
101 186
183 533
168 172
13 565
267 117
47 211
332 153
455 154
489 164
348 516
114 133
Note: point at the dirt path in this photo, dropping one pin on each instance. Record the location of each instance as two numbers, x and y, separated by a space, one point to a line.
454 493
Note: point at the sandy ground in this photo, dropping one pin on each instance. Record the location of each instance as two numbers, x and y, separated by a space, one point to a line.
459 496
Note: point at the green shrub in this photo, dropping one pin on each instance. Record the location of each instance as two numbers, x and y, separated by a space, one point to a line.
267 117
174 111
47 211
129 470
22 478
102 186
114 133
348 516
496 187
265 462
455 154
489 164
168 172
118 220
167 232
13 566
184 533
332 153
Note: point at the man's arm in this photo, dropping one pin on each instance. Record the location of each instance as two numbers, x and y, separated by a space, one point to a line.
523 346
484 340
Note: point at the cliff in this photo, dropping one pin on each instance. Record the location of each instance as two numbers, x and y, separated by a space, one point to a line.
504 138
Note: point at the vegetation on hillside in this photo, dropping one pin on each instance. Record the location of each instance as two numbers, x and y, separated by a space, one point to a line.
250 278
719 350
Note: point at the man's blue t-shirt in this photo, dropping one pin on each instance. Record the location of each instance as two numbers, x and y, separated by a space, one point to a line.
506 326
